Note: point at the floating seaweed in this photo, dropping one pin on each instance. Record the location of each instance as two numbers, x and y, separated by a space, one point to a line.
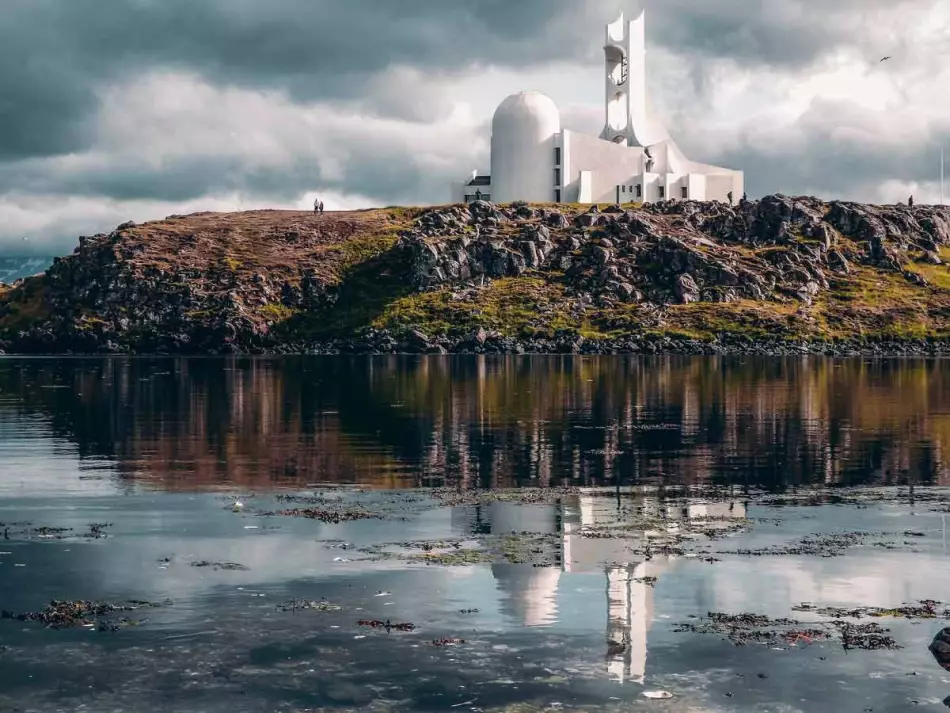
743 629
387 625
925 609
869 637
747 628
62 614
228 566
304 604
332 517
447 642
819 545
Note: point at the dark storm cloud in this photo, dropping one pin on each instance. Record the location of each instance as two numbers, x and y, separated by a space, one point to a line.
67 64
55 53
785 33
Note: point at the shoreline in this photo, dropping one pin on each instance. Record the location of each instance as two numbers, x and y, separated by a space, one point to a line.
416 344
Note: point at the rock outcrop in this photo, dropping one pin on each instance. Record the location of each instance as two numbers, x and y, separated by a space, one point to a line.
282 281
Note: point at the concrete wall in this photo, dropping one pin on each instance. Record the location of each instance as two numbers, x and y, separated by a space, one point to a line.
696 182
610 165
718 186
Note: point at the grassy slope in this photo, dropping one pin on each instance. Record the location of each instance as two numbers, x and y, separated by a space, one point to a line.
350 250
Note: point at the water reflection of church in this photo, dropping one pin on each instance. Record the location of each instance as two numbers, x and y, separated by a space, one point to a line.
529 594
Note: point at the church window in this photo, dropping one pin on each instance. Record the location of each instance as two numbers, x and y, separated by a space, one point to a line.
639 190
662 192
685 192
557 177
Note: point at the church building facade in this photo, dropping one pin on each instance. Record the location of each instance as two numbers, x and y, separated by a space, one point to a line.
633 160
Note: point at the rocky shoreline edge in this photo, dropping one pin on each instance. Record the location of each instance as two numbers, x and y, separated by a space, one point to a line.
415 342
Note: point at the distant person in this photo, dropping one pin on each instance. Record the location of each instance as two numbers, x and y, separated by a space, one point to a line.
910 201
316 205
729 196
321 207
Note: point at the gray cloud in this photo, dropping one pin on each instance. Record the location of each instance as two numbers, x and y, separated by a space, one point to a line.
56 52
279 98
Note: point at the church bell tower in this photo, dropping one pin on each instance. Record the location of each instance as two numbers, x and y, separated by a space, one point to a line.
629 114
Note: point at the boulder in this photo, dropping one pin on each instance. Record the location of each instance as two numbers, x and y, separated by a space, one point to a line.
686 289
940 648
601 255
838 262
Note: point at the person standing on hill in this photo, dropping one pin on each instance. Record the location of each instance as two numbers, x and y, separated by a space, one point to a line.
316 205
321 207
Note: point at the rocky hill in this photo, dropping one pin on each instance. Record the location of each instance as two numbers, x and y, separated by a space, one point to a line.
779 275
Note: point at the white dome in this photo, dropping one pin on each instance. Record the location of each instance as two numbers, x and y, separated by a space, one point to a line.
522 148
529 110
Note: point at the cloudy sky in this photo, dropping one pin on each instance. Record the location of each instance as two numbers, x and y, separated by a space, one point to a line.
112 110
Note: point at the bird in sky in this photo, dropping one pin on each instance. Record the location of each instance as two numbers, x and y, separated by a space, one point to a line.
883 58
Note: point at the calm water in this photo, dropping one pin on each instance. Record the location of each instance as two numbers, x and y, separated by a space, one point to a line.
627 469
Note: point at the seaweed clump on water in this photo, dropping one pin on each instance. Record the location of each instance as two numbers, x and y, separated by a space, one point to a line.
925 609
527 496
820 545
304 604
331 517
746 628
743 629
228 566
45 532
869 637
61 614
387 625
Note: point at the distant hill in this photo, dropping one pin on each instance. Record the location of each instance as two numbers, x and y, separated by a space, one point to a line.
776 275
13 268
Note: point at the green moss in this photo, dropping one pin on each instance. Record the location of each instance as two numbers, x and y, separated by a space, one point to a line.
24 305
705 320
355 251
527 306
276 312
231 263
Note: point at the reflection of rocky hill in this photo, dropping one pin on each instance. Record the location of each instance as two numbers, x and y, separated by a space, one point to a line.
496 421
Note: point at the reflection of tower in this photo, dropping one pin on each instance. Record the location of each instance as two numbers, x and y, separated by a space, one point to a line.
629 602
629 614
529 594
629 596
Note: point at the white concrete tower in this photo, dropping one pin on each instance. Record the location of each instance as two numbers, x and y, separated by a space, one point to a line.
630 118
524 131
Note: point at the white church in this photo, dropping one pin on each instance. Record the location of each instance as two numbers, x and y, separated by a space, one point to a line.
633 160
